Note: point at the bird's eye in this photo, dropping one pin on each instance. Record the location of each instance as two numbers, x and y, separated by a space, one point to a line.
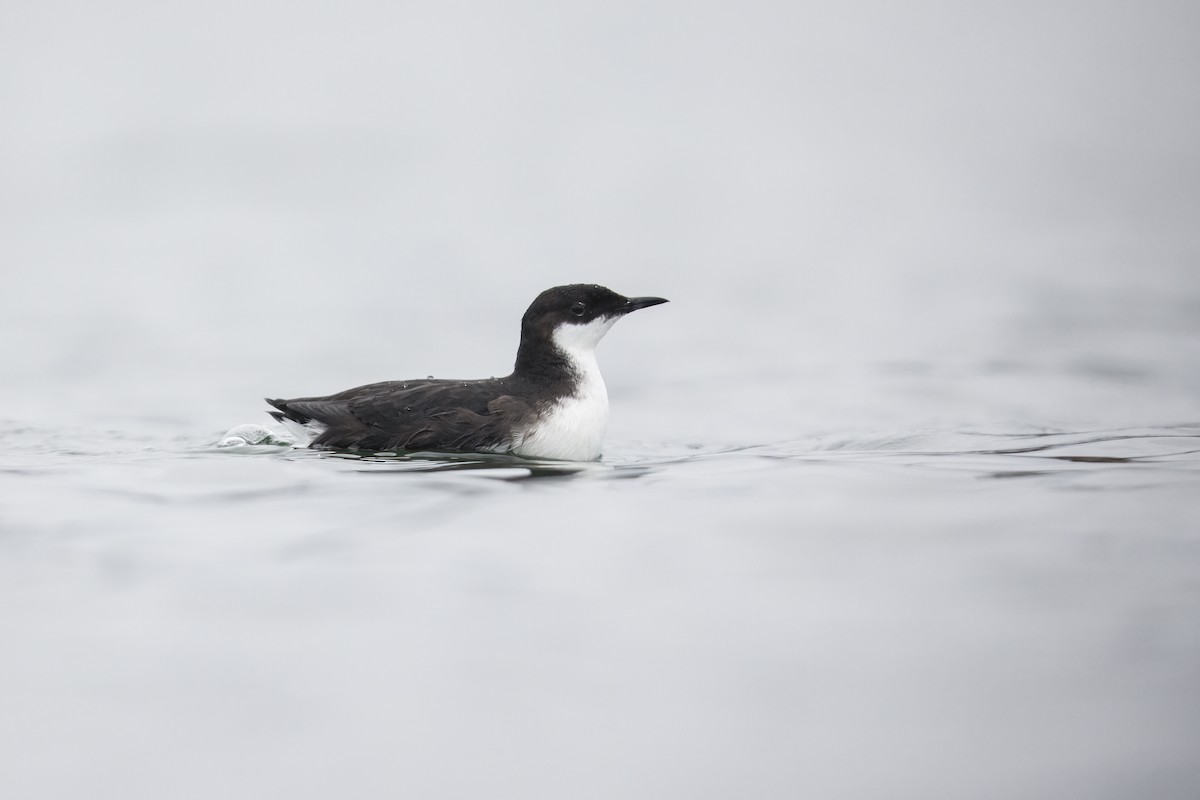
578 308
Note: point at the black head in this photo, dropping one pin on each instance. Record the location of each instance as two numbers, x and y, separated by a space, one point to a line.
570 318
580 304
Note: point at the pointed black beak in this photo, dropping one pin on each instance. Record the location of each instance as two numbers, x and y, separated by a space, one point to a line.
634 303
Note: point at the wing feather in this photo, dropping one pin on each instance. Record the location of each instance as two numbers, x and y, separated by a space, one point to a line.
454 416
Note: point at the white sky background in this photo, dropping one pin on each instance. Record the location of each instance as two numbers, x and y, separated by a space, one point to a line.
860 180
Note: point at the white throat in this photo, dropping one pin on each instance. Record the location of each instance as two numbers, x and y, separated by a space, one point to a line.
573 428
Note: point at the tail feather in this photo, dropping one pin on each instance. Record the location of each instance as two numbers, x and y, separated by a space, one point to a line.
309 418
303 427
284 413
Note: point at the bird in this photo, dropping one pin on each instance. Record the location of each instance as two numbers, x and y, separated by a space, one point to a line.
554 405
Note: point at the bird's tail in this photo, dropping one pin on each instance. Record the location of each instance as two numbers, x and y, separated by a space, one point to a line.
303 427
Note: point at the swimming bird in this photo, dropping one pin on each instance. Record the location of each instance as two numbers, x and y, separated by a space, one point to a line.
554 404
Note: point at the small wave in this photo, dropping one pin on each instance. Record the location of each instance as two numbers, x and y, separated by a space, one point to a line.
986 453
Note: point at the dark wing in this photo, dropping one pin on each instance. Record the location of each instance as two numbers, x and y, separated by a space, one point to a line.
452 416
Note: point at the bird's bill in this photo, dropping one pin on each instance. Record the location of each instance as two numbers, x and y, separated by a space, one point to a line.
634 303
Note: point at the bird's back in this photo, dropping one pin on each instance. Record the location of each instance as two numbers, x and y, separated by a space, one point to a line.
438 415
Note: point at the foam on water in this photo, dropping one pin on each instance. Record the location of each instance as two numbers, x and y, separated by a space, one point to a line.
255 435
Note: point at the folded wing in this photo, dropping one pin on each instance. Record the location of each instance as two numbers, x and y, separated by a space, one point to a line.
439 415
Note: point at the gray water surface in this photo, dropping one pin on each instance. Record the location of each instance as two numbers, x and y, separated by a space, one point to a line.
842 614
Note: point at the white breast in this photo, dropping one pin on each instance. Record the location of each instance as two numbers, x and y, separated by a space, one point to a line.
573 428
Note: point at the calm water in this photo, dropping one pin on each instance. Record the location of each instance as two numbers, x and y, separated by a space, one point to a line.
993 611
901 491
